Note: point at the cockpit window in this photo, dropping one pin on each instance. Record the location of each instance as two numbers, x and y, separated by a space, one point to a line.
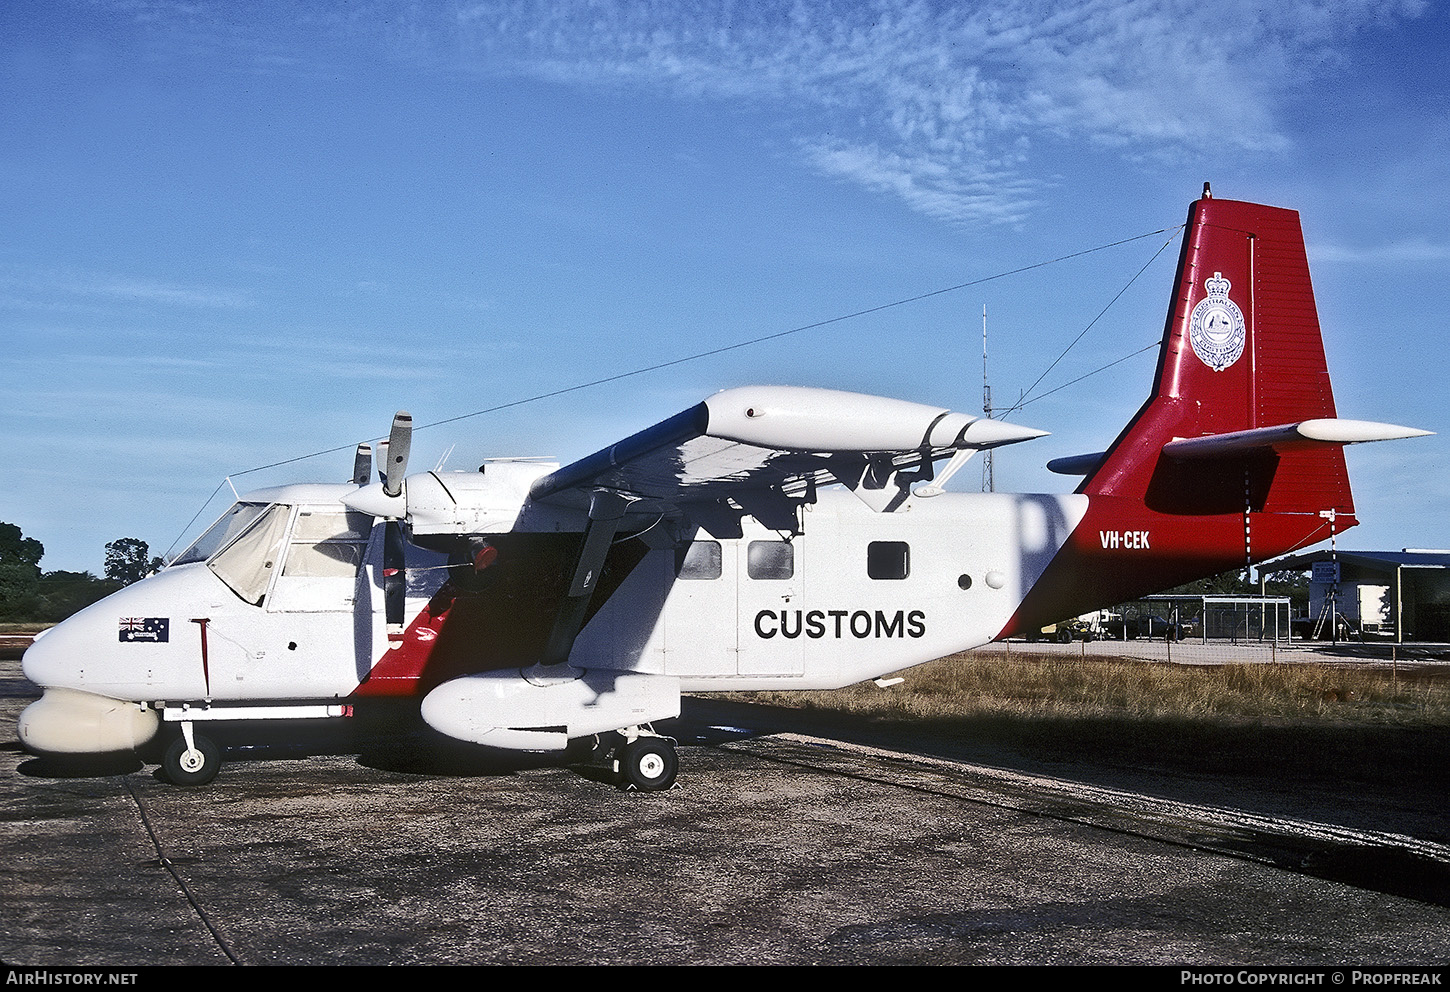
220 534
246 564
327 544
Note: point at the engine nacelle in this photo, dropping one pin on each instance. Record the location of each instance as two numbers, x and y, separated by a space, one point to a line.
69 721
542 708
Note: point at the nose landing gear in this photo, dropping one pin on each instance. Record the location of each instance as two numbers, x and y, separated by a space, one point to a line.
192 759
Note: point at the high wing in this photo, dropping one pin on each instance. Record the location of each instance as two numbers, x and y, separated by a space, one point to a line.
755 449
752 443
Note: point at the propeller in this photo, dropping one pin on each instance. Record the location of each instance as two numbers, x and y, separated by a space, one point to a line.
362 464
394 464
392 468
395 575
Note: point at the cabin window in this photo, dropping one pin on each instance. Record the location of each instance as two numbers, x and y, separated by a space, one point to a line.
327 544
246 564
770 560
699 560
888 559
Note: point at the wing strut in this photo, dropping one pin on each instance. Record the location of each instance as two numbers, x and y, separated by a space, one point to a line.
606 510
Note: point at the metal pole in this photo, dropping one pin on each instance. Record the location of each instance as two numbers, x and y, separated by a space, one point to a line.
1399 604
1334 582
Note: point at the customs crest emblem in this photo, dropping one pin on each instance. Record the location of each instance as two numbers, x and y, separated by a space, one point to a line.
1216 327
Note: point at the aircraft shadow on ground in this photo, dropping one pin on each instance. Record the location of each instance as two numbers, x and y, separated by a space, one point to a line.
406 750
1175 760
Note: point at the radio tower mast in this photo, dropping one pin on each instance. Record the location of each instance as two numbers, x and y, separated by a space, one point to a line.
989 484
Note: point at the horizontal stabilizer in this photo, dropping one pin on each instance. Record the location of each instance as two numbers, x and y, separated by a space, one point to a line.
1076 464
1289 437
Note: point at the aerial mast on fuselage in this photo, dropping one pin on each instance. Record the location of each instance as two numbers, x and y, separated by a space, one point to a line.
988 482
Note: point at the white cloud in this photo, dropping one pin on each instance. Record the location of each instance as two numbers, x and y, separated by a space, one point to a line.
32 288
1407 251
927 184
934 104
947 107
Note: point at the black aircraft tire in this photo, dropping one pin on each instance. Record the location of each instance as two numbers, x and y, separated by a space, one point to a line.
197 768
649 764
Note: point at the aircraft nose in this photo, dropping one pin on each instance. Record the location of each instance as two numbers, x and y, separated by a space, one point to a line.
42 663
61 655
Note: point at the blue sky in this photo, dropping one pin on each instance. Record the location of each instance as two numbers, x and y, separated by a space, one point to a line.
234 234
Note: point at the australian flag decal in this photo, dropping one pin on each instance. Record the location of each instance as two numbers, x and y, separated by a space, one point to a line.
153 630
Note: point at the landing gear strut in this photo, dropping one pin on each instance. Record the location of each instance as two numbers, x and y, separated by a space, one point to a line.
192 759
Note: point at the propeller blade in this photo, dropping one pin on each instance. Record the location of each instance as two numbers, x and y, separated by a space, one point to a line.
362 464
395 576
400 441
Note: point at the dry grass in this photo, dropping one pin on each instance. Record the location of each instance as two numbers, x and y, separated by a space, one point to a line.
1304 730
1300 722
996 683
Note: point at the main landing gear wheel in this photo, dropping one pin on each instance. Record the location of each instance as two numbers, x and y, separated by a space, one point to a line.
648 764
195 765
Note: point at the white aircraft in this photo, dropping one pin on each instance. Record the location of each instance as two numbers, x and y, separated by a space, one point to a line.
768 538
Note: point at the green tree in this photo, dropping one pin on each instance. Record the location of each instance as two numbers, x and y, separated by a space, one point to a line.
19 573
63 593
128 560
1223 584
1290 582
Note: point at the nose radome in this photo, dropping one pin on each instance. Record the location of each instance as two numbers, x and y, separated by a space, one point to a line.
40 661
65 654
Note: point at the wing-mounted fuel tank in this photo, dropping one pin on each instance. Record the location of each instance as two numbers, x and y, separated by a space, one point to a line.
542 708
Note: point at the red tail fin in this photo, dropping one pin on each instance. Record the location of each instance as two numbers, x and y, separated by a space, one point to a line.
1241 350
1237 457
